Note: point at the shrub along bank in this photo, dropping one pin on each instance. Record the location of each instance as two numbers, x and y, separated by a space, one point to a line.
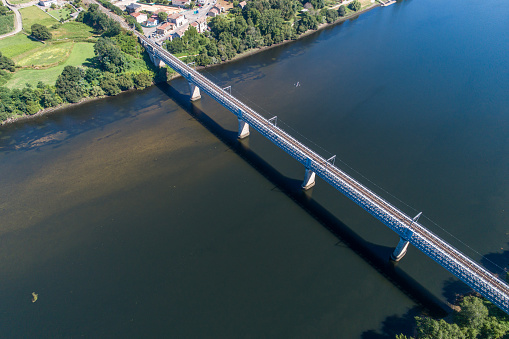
119 64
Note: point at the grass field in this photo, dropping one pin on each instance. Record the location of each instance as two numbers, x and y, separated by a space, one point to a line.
72 30
33 15
6 23
17 2
79 55
46 55
62 13
18 44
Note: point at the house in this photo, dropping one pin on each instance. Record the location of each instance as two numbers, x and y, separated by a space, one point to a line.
242 4
200 25
152 22
133 8
140 17
180 33
181 3
213 12
47 3
165 28
178 19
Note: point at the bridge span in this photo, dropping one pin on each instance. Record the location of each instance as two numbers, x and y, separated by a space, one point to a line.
409 230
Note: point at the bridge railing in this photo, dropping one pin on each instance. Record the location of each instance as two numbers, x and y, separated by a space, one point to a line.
447 256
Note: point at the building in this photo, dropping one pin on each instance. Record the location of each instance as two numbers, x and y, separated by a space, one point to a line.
200 25
213 12
180 33
202 2
165 28
140 17
47 3
181 3
133 8
178 19
242 4
152 22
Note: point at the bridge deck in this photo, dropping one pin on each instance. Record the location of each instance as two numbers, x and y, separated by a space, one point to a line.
447 256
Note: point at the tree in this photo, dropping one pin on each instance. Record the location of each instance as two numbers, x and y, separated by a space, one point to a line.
428 328
162 16
342 10
109 55
110 86
41 32
142 80
6 63
473 313
355 5
331 16
4 10
70 84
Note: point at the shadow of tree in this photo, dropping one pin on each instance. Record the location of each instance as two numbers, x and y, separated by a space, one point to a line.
453 288
394 325
91 62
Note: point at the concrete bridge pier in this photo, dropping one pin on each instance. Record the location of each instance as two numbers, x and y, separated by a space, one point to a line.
243 129
400 250
195 91
309 179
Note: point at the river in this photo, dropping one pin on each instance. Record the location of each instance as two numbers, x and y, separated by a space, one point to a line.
141 215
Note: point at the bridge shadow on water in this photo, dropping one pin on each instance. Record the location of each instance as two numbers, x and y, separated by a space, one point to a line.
375 255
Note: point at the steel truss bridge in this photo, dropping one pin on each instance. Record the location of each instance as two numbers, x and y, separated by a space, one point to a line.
409 230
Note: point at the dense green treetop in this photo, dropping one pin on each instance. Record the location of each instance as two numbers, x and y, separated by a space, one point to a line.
41 32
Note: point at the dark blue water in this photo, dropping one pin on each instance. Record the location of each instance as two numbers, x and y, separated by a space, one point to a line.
140 215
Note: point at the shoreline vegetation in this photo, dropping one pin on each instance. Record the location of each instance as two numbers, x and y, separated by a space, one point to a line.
119 38
473 317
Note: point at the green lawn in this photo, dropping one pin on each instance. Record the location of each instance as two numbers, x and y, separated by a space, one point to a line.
33 15
46 55
72 30
79 55
62 13
6 23
16 2
18 44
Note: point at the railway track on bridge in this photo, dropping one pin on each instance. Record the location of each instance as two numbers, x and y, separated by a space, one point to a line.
447 256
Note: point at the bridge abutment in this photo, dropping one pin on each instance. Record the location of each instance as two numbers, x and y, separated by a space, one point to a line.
195 91
400 250
309 179
243 129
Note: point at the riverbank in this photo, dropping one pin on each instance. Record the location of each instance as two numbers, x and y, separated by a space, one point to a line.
174 75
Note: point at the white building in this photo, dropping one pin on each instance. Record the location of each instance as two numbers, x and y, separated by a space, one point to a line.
47 3
178 19
140 17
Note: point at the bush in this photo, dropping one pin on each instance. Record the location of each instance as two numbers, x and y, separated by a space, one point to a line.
41 32
355 5
110 86
142 80
342 10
